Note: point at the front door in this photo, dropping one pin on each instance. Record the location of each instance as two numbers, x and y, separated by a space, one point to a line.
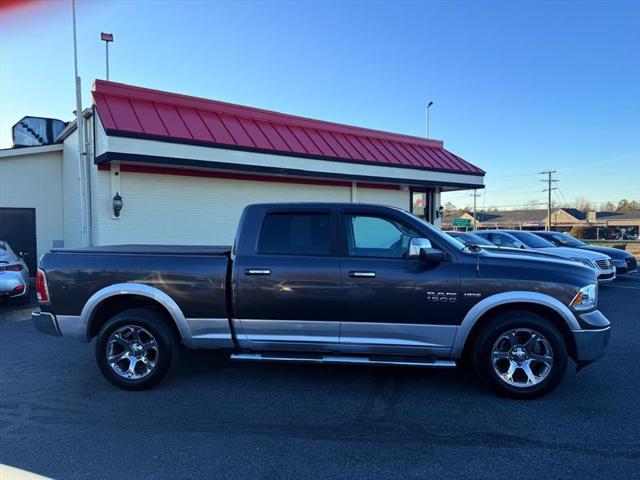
393 303
289 292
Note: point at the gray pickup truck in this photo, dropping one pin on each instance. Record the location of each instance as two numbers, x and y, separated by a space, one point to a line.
327 283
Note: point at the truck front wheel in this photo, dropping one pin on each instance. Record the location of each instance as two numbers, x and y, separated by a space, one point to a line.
520 354
135 349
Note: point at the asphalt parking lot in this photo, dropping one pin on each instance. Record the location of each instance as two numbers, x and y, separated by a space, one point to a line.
216 419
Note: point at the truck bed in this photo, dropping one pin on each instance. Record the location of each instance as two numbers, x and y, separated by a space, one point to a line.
213 250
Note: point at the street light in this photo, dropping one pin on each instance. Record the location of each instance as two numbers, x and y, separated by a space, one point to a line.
106 38
428 108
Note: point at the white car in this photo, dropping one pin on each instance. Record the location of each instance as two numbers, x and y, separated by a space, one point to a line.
600 263
14 274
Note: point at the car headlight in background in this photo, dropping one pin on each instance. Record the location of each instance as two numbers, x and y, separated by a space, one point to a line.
586 298
583 261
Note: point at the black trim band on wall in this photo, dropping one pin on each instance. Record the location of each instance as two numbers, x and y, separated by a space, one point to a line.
108 157
161 138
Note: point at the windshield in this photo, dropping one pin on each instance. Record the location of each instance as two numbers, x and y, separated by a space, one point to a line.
568 240
531 240
467 237
447 238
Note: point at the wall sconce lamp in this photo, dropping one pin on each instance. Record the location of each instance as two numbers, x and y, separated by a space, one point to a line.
117 205
440 212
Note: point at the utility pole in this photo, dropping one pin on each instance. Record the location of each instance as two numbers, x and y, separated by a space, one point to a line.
429 105
80 130
550 182
475 197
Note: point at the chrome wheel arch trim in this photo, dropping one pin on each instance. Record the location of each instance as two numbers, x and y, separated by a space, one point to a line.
86 317
505 298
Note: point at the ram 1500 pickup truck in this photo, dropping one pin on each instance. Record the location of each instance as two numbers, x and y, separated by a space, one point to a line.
327 283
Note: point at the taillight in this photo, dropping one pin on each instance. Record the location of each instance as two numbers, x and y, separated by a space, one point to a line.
12 268
41 287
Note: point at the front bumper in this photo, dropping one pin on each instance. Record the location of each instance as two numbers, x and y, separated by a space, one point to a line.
628 265
605 276
46 323
591 343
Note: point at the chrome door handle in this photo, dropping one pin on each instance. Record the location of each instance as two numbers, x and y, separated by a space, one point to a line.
362 274
257 271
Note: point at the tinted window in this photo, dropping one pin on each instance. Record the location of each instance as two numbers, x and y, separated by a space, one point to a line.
295 234
531 240
561 239
502 240
473 238
378 237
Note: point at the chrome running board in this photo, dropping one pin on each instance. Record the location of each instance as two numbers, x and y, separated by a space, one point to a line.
336 359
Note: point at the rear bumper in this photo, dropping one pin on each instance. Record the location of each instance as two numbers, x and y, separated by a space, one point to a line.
45 323
9 282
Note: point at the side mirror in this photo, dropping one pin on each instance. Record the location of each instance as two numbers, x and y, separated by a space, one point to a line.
431 255
416 245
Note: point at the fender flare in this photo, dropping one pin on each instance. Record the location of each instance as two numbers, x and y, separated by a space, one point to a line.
479 309
88 311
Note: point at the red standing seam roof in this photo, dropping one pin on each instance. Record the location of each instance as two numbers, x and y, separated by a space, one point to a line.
134 111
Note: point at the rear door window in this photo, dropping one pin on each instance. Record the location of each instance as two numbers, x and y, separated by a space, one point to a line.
295 234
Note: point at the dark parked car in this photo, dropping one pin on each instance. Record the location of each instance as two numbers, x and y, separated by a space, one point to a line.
469 238
623 261
601 264
327 283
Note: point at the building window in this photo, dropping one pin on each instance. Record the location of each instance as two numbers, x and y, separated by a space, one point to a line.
420 204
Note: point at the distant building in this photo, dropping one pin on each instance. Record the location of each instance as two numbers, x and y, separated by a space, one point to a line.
606 224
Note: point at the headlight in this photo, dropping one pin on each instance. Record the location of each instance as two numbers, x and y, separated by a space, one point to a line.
586 298
583 261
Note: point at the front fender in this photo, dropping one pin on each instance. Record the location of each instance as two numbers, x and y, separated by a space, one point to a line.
505 298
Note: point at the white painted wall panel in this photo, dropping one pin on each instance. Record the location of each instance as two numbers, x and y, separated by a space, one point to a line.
210 154
190 210
71 192
34 180
396 198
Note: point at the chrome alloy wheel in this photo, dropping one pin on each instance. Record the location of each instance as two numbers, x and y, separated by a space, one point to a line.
522 357
132 352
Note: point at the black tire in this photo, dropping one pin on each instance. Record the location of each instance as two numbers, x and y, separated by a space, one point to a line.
148 322
526 322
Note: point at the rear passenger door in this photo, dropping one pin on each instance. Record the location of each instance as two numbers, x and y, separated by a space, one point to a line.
288 291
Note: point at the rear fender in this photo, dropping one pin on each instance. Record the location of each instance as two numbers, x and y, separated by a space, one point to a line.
89 309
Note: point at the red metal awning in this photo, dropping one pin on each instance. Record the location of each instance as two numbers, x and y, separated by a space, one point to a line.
126 110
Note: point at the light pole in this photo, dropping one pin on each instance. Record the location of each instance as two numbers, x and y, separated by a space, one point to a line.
428 108
106 38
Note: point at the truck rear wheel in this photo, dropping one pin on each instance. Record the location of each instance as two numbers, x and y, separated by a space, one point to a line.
520 355
135 349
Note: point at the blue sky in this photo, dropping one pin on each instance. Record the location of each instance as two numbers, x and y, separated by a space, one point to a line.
518 87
